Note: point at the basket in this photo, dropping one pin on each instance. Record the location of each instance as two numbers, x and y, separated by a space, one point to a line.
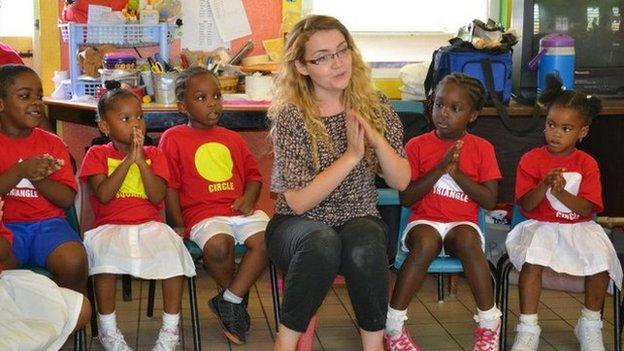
229 84
83 88
121 35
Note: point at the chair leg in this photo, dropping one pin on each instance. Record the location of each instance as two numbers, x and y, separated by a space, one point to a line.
194 314
126 287
440 288
275 294
80 340
504 271
150 298
91 296
617 321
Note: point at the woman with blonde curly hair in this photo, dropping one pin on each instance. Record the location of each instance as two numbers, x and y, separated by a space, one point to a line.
332 132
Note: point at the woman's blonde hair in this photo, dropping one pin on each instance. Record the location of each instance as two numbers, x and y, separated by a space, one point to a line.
291 87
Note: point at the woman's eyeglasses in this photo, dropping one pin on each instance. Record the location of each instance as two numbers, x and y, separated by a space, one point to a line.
326 59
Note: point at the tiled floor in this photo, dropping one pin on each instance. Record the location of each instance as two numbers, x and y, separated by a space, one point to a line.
435 326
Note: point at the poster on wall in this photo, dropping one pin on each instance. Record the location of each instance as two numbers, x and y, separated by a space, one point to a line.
200 29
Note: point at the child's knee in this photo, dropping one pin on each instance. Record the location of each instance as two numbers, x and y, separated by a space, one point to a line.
464 238
70 257
424 242
256 242
219 248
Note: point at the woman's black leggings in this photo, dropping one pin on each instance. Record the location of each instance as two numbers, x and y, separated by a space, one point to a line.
313 253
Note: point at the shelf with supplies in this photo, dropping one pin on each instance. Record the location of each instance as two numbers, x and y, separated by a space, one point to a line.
77 35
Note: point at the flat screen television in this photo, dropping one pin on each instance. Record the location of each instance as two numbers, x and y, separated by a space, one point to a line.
598 29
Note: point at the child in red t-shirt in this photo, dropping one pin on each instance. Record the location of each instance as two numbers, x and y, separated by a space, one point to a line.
212 196
37 182
558 190
36 314
128 183
453 174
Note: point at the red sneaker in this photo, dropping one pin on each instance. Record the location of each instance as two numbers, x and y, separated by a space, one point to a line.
402 342
486 339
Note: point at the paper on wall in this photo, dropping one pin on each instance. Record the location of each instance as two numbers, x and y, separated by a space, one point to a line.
230 18
199 31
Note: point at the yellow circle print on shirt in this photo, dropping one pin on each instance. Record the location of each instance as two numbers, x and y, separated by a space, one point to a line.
214 162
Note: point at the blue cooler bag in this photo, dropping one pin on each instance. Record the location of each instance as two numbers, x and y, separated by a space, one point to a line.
472 62
491 68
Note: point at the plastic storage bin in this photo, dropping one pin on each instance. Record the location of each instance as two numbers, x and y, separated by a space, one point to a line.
122 35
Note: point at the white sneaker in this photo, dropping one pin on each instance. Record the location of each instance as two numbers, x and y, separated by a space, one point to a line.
589 334
113 341
527 338
168 340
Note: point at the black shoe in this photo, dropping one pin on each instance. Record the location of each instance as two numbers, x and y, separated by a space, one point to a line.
233 318
247 317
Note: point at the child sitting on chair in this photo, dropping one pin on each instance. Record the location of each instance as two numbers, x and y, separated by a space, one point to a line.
37 183
212 196
128 183
558 190
453 174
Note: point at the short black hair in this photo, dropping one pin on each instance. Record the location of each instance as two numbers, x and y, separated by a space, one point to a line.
8 74
473 87
109 97
555 96
181 82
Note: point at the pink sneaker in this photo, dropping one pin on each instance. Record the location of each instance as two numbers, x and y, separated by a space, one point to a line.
402 342
486 339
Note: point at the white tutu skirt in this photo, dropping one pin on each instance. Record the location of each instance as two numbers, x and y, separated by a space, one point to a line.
35 314
150 250
579 249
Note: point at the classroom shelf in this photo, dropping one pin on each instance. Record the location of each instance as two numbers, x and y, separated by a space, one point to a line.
77 35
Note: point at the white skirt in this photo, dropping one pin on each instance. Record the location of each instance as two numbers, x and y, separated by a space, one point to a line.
150 250
579 249
35 314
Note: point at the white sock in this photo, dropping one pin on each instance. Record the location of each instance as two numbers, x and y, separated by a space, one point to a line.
107 322
171 321
488 319
395 320
590 315
528 319
231 297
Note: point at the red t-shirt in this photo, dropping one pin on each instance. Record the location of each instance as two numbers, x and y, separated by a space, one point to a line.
24 202
209 168
446 201
582 179
130 205
8 55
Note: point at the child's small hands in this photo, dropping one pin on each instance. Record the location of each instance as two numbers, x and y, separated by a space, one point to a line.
37 168
57 163
136 149
552 175
450 161
138 138
558 185
355 137
243 205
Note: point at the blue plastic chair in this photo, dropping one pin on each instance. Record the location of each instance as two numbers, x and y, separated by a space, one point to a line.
442 264
504 267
